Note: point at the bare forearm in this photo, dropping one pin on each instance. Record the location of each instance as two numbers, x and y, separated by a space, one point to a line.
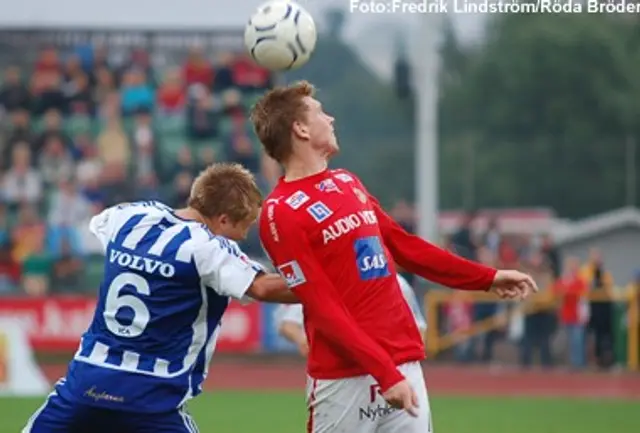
272 288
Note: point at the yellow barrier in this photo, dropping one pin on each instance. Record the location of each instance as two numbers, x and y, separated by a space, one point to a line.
544 301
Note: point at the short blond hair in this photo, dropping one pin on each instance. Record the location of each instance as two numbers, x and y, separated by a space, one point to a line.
226 189
274 114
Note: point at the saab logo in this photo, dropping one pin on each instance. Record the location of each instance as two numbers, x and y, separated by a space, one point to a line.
319 211
292 273
344 177
328 185
370 258
297 199
361 196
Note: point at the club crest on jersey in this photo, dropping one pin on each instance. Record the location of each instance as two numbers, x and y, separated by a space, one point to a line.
370 258
344 177
361 196
328 185
292 274
297 199
319 211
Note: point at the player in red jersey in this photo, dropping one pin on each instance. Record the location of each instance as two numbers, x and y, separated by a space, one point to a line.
334 244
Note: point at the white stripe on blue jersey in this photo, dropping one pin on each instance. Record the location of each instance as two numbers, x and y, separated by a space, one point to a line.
167 282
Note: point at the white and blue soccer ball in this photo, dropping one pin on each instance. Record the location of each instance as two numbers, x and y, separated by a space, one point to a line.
280 35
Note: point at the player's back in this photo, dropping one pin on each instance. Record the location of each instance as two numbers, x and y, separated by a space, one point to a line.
340 226
156 321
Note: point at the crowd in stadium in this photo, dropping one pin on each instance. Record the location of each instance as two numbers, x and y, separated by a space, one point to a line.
81 133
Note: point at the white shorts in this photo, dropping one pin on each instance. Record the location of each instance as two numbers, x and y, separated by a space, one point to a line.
354 405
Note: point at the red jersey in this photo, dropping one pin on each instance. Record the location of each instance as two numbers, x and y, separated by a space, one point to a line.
336 248
572 290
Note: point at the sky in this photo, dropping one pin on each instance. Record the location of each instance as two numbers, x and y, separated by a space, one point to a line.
372 35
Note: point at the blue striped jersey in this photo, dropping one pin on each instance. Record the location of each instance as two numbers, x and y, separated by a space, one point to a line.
167 282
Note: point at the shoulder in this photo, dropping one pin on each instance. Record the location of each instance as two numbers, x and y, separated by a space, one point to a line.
344 175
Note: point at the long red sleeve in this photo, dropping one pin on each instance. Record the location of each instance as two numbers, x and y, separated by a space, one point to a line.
289 249
430 261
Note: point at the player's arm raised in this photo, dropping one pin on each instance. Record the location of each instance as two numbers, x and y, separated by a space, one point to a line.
430 261
228 271
292 254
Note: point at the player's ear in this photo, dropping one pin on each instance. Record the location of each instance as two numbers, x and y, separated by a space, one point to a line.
300 130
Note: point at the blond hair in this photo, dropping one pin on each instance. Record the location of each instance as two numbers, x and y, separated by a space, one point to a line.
226 189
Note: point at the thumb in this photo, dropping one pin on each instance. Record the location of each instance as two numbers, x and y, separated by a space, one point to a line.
409 404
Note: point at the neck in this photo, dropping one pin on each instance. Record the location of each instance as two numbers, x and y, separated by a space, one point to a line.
301 166
191 214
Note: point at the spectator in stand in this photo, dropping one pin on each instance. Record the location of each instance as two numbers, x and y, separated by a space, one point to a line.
539 324
48 93
36 270
14 95
56 162
463 240
139 60
68 206
22 183
67 271
484 311
184 163
105 85
572 289
115 185
72 67
79 96
136 93
197 69
232 105
147 156
202 116
10 270
493 236
182 189
20 134
224 73
113 144
28 233
171 94
48 61
600 282
239 148
249 76
52 129
88 169
206 157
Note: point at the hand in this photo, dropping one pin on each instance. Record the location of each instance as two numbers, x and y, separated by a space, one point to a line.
513 285
402 396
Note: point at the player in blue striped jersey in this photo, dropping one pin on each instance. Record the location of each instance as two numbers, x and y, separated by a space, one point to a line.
168 278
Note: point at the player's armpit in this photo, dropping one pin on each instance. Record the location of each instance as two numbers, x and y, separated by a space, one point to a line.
271 288
430 261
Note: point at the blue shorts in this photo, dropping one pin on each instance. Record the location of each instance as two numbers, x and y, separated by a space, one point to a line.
58 415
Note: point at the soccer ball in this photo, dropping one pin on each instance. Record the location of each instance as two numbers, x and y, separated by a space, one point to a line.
280 35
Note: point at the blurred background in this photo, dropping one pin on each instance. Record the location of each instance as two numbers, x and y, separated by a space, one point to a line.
508 139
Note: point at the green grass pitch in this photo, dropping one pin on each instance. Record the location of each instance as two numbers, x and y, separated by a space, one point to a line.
284 412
